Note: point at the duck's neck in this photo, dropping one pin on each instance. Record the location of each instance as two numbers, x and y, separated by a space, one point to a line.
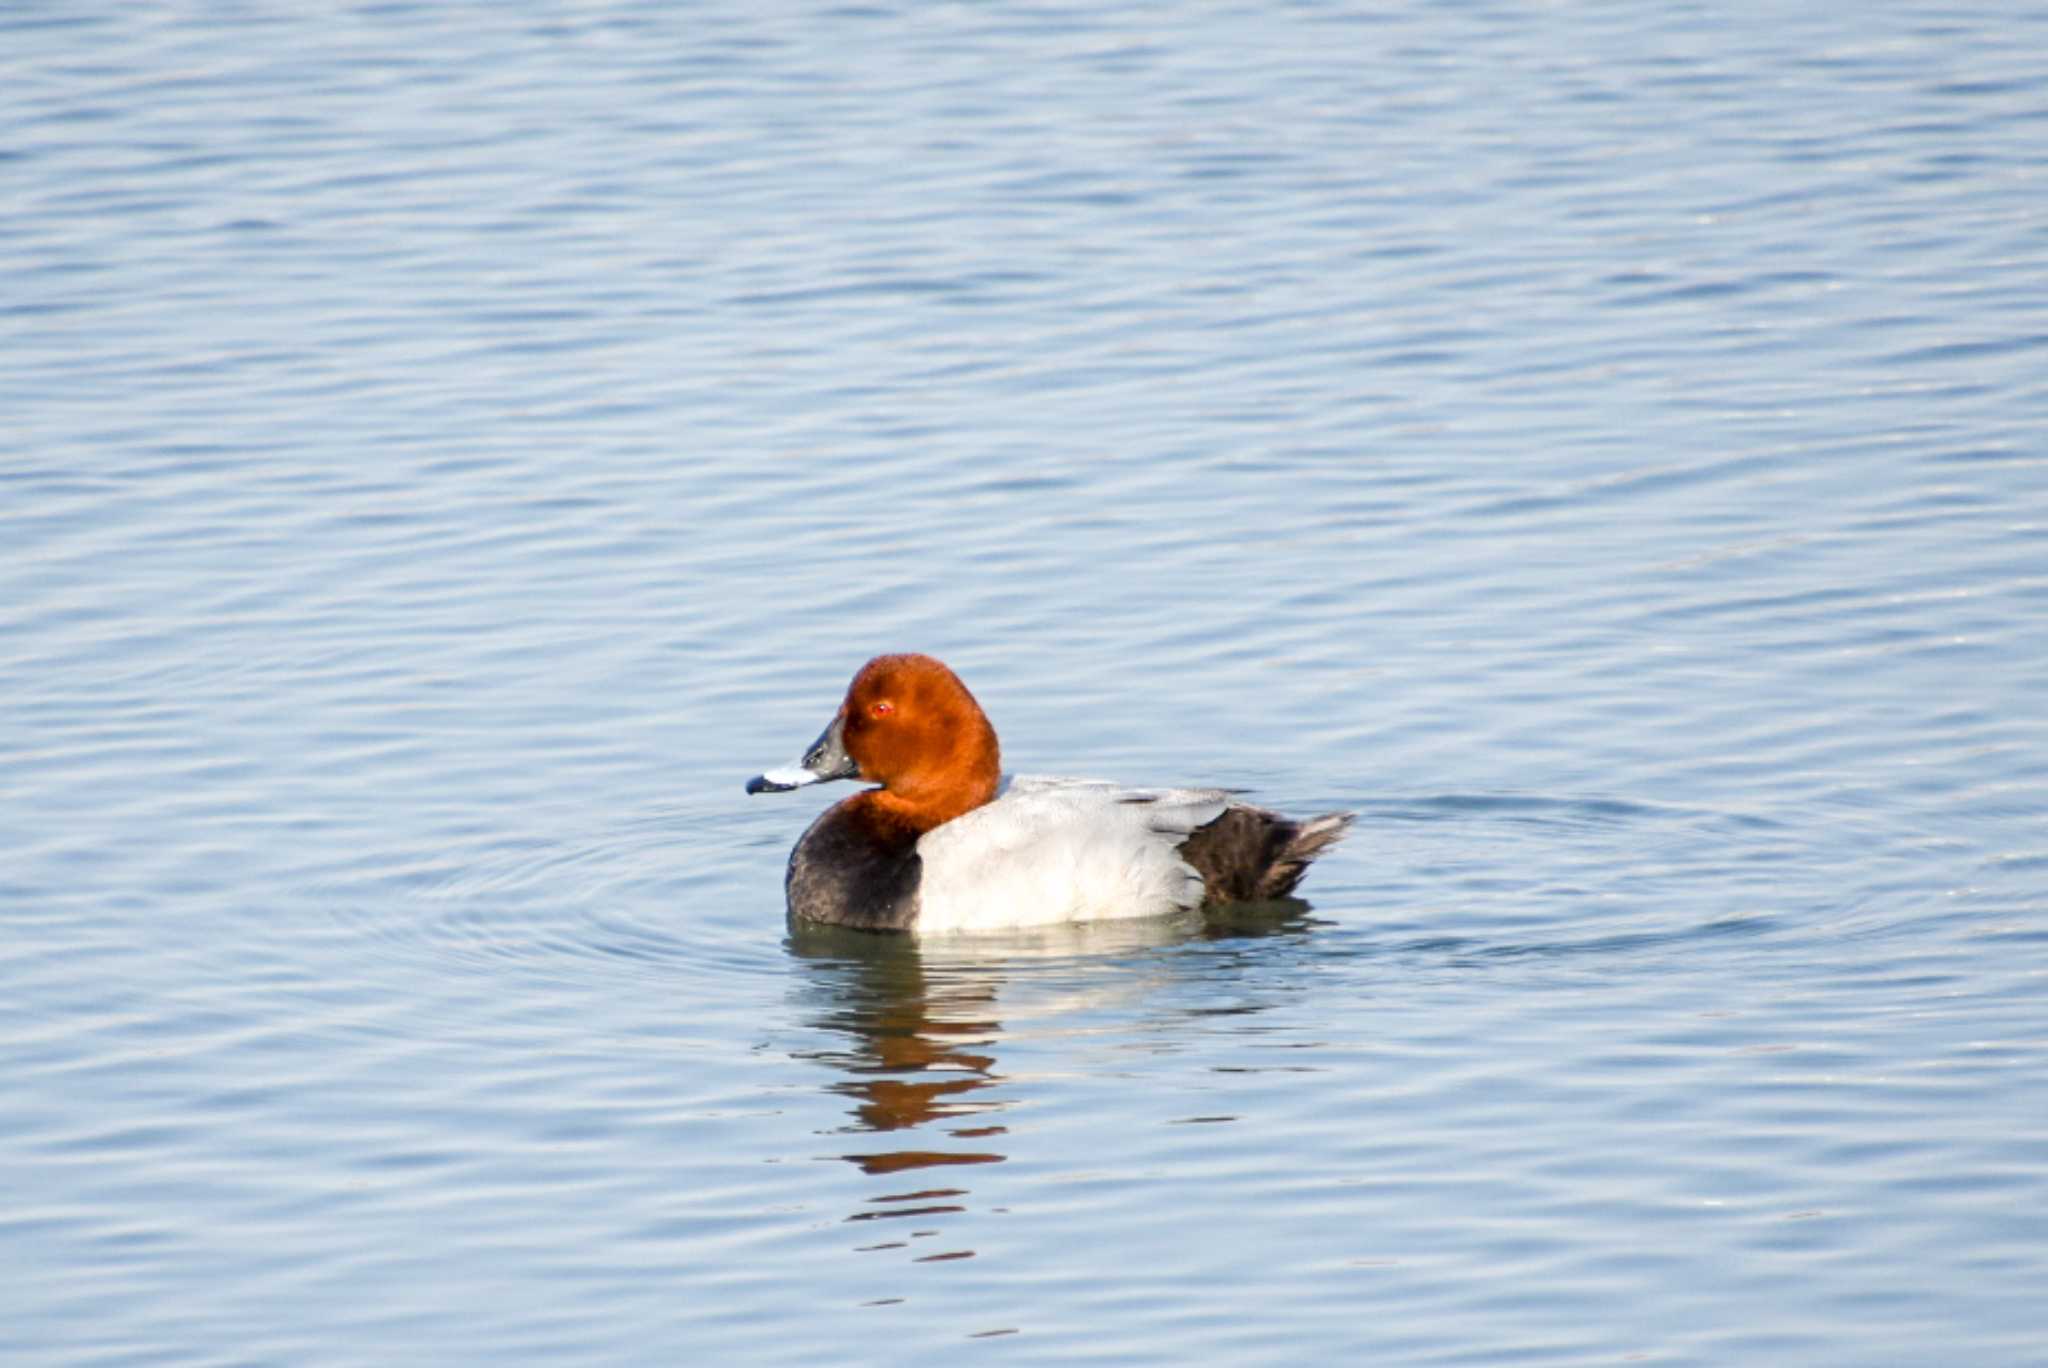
941 781
920 807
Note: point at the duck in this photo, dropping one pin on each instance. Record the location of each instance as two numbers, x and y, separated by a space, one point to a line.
945 842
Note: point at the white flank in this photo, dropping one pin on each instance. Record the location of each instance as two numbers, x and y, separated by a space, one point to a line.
1053 851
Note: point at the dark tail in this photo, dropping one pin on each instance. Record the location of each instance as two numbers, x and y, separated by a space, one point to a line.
1252 855
1309 839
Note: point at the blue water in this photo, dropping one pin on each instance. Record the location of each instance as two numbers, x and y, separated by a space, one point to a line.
447 449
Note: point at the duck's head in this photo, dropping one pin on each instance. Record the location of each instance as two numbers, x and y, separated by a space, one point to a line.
909 725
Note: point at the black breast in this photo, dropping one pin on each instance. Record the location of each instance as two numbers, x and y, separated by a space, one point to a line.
848 871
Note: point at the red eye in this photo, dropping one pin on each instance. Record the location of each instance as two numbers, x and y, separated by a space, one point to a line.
881 709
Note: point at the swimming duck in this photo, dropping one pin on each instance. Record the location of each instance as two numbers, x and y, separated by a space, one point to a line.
946 843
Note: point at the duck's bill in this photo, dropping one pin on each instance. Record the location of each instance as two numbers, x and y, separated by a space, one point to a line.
783 780
825 760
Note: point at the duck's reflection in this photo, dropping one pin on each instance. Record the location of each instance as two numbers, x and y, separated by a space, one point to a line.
920 1045
917 1030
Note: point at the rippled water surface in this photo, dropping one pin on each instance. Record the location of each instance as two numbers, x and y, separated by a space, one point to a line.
447 449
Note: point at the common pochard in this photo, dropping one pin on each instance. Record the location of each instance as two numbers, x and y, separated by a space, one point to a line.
945 843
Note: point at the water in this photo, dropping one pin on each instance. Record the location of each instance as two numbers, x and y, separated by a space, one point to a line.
448 450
